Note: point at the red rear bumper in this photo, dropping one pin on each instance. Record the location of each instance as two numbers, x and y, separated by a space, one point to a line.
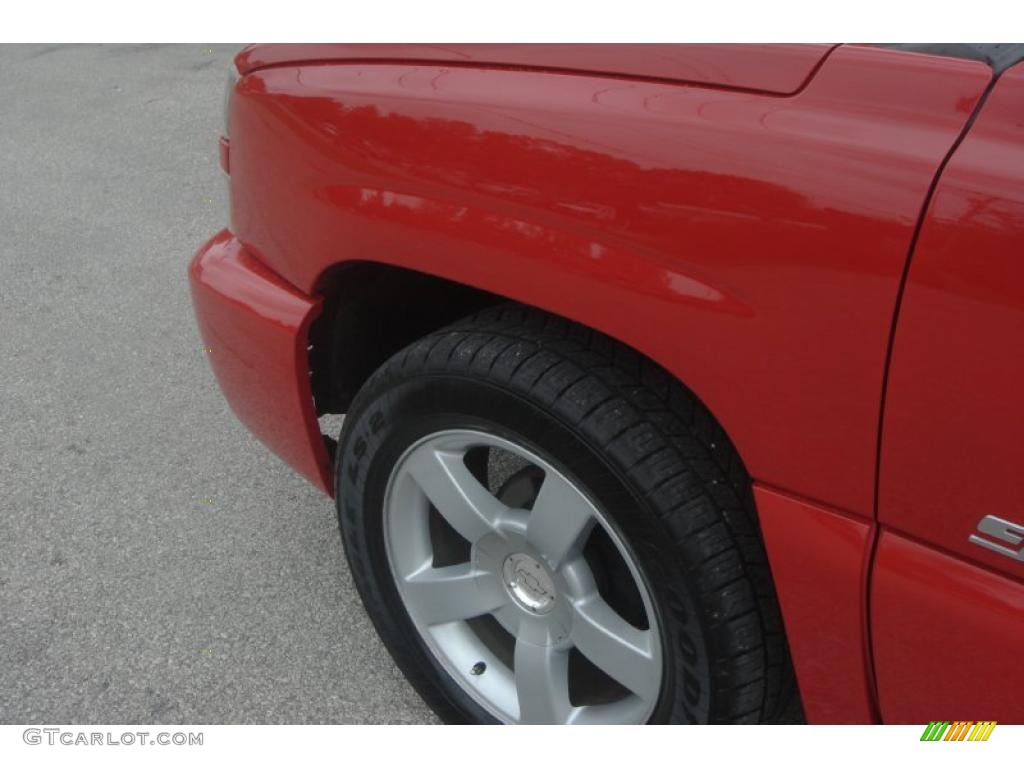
255 326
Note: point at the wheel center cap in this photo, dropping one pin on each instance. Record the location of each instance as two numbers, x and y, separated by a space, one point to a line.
529 583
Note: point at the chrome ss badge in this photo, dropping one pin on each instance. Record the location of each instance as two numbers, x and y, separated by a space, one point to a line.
1004 531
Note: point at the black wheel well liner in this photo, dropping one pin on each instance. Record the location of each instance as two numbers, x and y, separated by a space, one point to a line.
372 310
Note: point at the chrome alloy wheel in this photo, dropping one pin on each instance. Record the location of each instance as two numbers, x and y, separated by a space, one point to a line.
525 594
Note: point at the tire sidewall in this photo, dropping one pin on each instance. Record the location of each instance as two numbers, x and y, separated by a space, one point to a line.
393 413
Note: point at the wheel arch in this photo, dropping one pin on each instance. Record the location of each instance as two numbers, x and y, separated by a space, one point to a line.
373 309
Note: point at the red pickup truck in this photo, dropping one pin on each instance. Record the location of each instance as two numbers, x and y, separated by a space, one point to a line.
679 381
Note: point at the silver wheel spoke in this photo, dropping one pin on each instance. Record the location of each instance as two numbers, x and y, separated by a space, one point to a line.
631 709
542 683
510 617
616 647
452 593
524 573
560 521
458 496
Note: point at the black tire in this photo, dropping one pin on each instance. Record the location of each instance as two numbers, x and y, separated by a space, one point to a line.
643 446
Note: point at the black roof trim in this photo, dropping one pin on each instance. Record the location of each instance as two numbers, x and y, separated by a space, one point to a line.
999 56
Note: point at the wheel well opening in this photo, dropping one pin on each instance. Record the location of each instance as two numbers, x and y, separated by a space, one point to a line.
397 305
